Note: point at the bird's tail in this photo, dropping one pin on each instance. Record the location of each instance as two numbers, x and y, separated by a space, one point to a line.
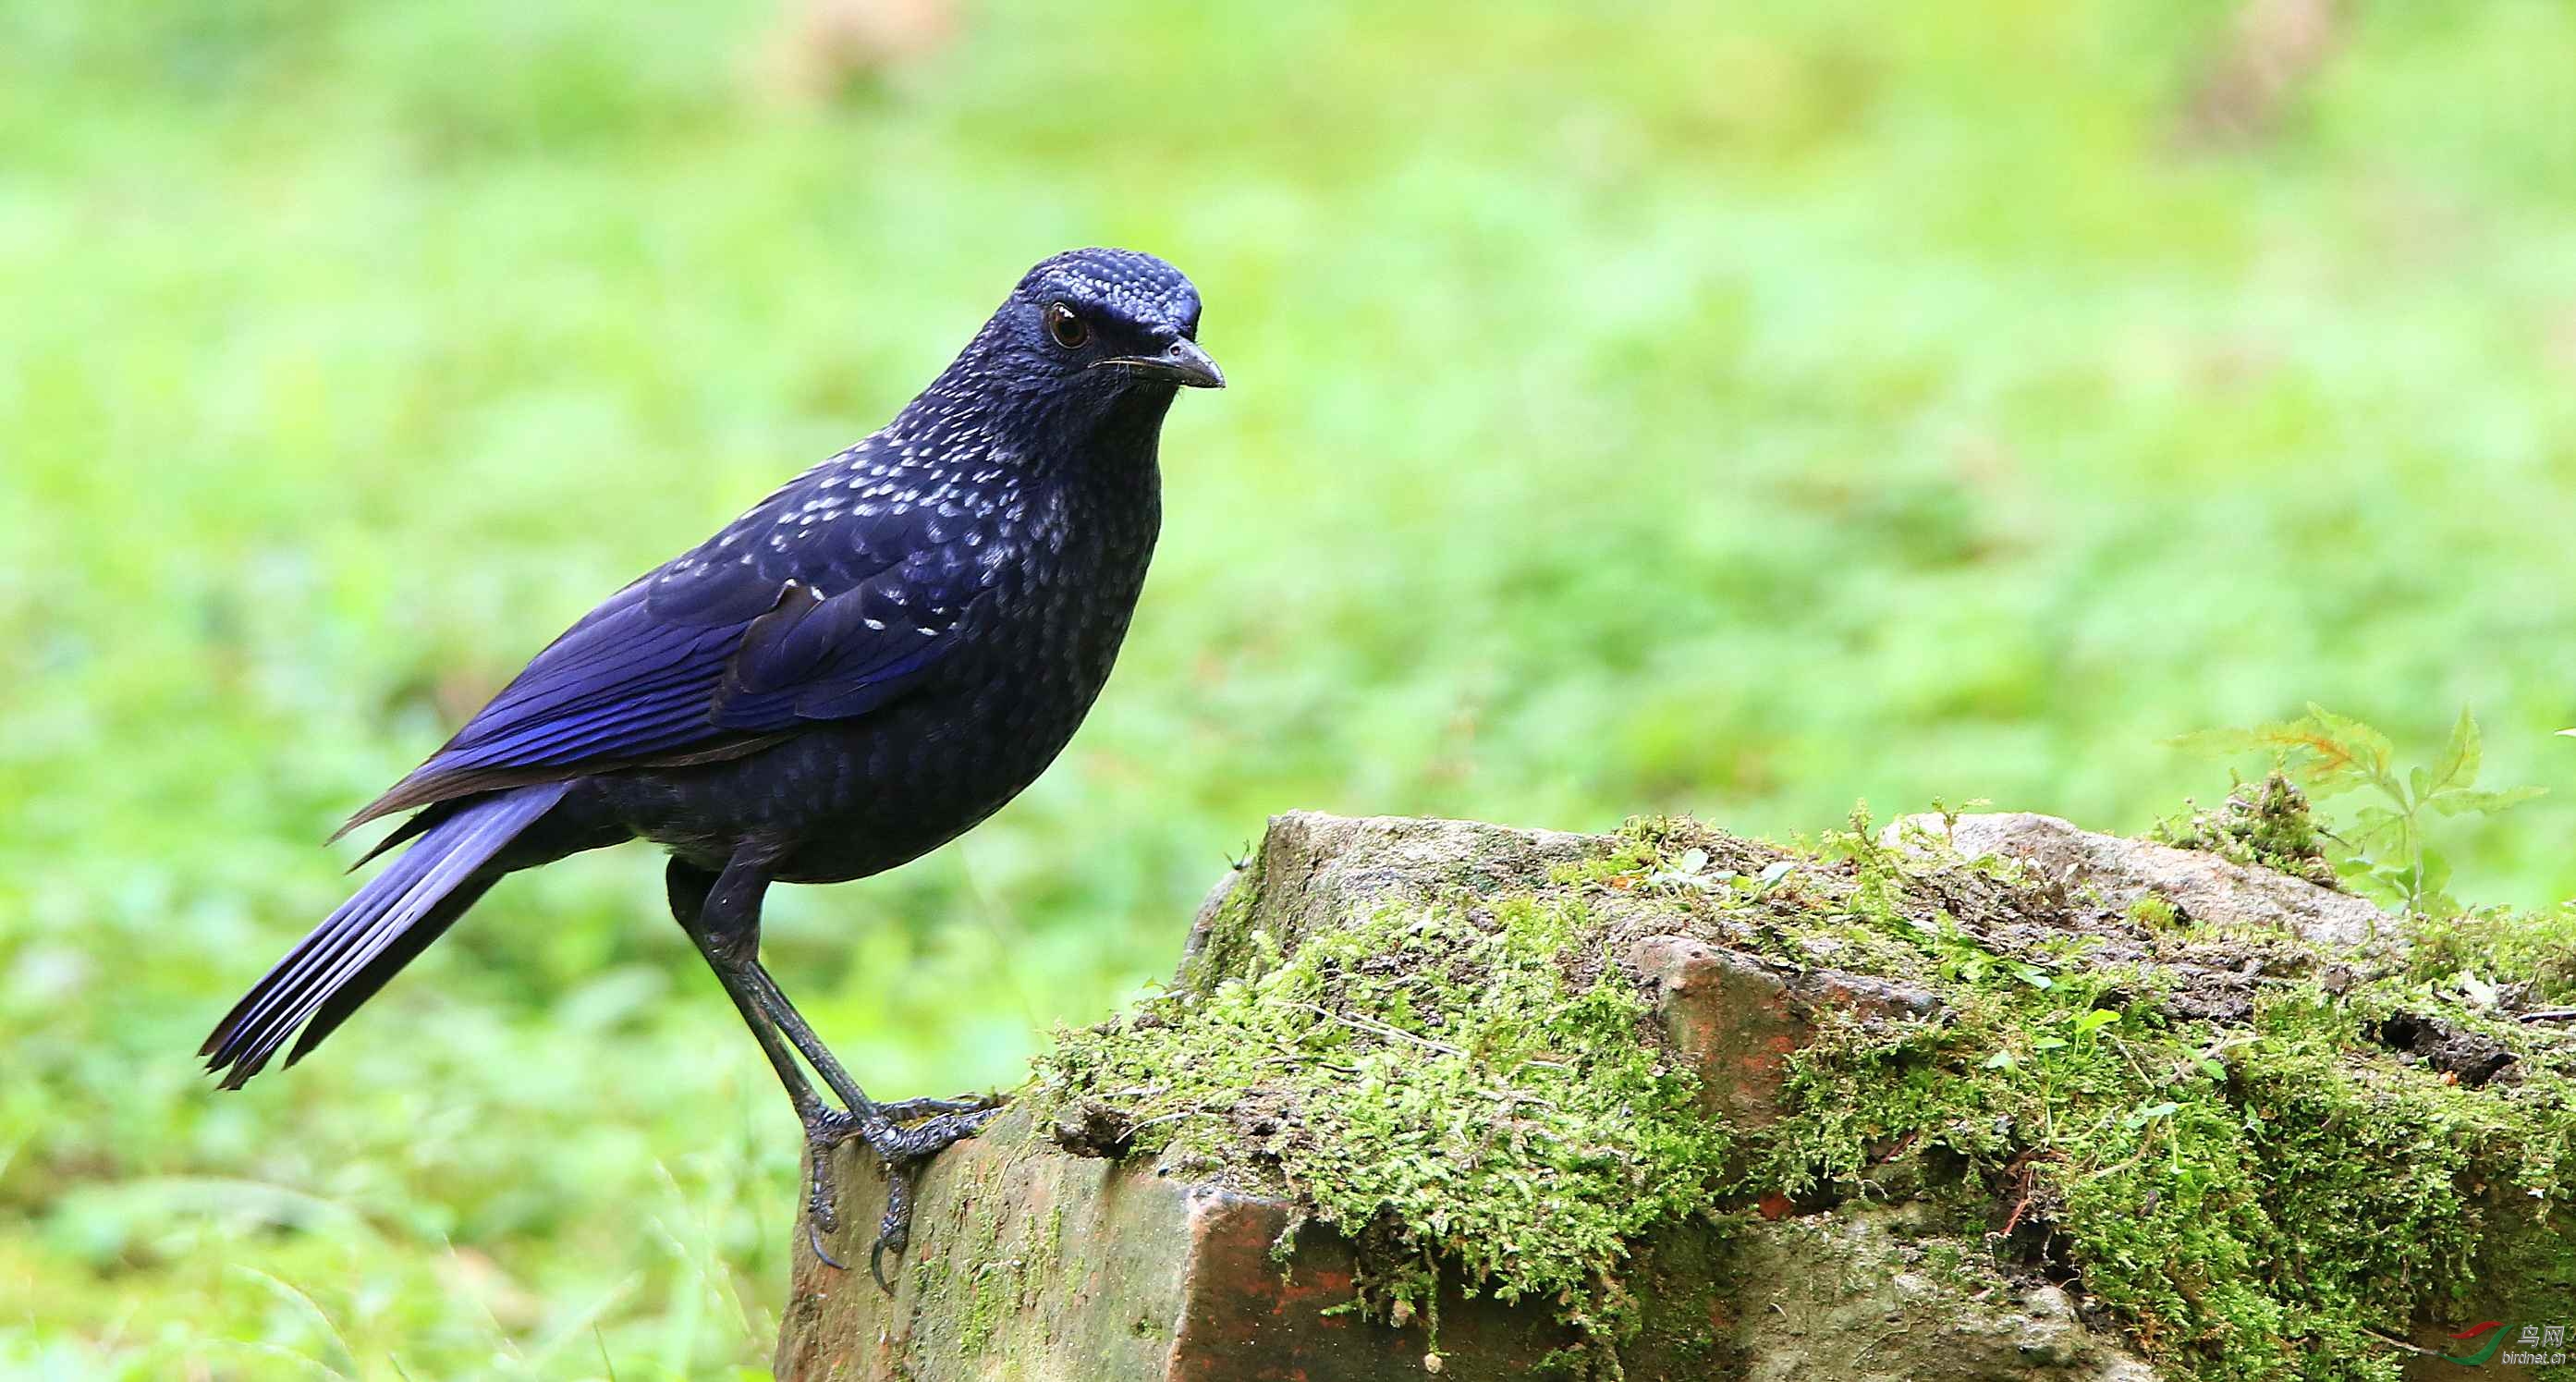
373 934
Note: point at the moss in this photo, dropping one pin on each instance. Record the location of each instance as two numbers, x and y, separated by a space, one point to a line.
2536 950
2264 824
985 1278
999 1283
2271 1222
2270 1198
1634 854
2154 912
975 1280
2277 1199
1440 1083
1222 943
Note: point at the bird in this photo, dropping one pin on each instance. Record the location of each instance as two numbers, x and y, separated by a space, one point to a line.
863 666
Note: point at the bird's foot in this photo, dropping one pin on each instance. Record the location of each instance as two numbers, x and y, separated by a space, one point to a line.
915 1110
904 1136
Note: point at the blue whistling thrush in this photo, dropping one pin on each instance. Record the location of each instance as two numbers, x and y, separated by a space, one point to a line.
868 663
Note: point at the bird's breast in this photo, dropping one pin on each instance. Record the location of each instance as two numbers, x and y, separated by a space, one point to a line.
848 798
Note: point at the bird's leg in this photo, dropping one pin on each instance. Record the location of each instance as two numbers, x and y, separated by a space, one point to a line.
689 888
725 924
889 1129
790 1023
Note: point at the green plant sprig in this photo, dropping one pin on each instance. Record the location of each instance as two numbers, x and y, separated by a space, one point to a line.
2384 853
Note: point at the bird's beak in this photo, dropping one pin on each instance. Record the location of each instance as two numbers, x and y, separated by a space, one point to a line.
1182 363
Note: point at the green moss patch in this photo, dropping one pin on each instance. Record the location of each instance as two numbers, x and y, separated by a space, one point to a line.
2281 1196
1434 1081
2264 824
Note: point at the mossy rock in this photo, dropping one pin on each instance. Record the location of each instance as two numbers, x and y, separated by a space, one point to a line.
1524 1102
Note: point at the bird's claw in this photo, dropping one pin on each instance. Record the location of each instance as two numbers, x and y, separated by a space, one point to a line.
825 1129
904 1135
814 1240
905 1151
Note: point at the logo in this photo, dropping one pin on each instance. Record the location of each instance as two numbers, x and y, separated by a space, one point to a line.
2490 1331
2479 1344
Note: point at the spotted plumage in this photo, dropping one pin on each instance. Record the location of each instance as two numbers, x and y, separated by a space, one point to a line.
866 663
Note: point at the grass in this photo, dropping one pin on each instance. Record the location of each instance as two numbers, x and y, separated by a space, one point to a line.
1732 413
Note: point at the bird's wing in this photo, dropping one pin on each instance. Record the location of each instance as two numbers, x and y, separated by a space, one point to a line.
776 622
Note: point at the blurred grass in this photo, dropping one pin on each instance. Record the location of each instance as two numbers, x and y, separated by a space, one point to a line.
1668 409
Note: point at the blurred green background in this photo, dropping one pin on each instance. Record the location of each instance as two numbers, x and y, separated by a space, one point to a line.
1740 410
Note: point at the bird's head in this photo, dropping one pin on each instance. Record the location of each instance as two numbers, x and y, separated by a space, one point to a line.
1089 337
1108 319
1089 348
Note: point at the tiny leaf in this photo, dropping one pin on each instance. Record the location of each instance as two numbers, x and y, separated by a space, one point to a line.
2434 874
2368 746
2485 801
2459 763
2373 823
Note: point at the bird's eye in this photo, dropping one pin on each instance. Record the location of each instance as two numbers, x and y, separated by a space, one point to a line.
1067 329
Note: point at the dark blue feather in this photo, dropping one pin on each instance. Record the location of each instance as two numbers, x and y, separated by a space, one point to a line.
340 957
